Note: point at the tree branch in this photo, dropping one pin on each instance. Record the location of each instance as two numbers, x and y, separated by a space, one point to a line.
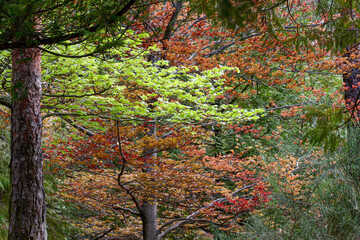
5 100
170 26
89 115
288 106
68 56
77 96
194 214
78 127
127 210
102 235
195 22
219 50
309 72
30 43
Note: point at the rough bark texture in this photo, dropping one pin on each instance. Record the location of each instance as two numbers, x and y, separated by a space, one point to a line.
27 200
351 78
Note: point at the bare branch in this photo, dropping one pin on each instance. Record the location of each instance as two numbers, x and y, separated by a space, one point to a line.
220 50
128 191
89 115
78 127
127 210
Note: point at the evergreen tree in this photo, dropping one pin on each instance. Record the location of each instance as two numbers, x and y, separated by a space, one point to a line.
25 28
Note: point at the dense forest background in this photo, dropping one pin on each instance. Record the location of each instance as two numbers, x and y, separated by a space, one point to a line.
180 119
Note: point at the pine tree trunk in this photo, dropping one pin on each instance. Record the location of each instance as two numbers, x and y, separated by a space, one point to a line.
27 200
351 78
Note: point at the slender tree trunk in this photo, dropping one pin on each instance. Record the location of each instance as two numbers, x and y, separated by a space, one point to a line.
27 201
148 211
149 220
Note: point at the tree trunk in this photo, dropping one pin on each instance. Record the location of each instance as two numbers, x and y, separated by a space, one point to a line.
148 211
351 78
149 220
27 200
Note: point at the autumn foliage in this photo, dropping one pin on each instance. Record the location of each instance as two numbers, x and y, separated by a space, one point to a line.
204 127
199 171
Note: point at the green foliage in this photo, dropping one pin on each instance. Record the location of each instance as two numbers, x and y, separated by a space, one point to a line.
120 84
57 210
232 13
342 202
329 209
339 28
60 214
87 22
133 88
219 234
326 130
4 182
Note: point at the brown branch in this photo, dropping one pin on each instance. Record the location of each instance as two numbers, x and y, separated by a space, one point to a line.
29 43
194 214
195 22
89 115
219 50
170 26
121 152
68 56
287 106
77 96
103 234
128 191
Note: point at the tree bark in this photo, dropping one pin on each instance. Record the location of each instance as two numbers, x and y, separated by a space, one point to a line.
149 220
27 200
351 78
148 211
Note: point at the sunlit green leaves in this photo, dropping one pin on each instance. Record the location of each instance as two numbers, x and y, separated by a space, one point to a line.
123 85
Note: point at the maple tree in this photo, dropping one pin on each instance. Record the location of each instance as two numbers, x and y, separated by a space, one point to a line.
170 49
129 103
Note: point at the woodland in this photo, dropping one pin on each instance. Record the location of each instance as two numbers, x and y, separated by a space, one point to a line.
179 120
